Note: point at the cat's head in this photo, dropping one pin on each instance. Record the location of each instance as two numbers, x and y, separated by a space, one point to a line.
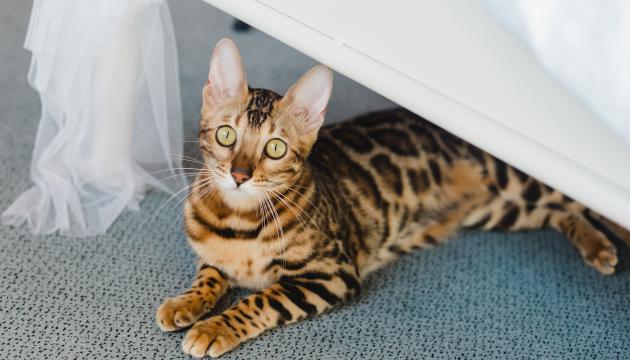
252 140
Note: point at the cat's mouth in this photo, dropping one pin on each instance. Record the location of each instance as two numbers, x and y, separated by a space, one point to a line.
245 195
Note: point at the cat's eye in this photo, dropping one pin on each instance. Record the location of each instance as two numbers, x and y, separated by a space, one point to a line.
276 148
226 136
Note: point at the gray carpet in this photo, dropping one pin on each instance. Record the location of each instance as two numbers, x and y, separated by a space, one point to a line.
482 296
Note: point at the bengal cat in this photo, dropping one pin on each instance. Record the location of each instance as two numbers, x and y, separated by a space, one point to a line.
303 218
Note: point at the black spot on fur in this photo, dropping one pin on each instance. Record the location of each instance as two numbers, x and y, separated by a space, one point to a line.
414 180
477 154
554 206
227 232
532 192
330 159
353 139
509 218
481 222
375 119
520 175
430 239
395 140
435 171
285 315
451 142
350 281
501 173
529 207
318 289
395 249
296 296
424 180
259 302
388 171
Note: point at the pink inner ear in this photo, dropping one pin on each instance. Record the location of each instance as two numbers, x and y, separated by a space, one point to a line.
226 78
309 97
210 97
313 122
300 113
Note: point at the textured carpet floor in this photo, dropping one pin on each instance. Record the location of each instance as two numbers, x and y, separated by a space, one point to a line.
482 296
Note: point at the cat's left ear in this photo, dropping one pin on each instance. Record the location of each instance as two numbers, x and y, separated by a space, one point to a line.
227 81
307 99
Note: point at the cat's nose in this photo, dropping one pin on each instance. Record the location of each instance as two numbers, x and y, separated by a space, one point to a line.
240 175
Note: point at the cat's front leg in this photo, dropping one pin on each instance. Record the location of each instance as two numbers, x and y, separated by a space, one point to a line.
291 299
183 310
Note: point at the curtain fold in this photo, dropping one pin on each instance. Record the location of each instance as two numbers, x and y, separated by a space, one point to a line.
111 125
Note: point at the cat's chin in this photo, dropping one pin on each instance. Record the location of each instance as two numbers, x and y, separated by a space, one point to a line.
241 198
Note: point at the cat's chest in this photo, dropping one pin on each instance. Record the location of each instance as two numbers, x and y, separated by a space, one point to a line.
245 262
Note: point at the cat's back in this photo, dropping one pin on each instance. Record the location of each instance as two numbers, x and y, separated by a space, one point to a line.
393 173
387 139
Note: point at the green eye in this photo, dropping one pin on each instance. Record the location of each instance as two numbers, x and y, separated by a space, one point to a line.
276 148
226 136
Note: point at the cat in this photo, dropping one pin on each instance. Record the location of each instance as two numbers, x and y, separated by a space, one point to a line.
303 215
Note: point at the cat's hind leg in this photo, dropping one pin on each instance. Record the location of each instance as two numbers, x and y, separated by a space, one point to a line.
597 250
183 310
522 203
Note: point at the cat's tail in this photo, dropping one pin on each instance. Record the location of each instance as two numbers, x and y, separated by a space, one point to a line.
522 202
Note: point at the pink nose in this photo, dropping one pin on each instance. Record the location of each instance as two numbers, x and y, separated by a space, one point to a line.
240 175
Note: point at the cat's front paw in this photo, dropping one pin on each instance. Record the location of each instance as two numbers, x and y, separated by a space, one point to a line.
179 312
210 337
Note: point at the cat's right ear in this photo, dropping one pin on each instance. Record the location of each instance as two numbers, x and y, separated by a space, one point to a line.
227 81
308 98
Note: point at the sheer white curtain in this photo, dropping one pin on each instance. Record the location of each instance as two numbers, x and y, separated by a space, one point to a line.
106 72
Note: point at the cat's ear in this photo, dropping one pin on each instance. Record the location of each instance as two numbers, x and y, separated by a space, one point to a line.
308 97
226 80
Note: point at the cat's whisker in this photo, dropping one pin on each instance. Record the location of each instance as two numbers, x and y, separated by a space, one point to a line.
174 169
311 220
277 221
155 214
204 185
187 174
302 223
267 219
265 208
207 190
281 117
290 188
297 215
186 188
182 171
208 186
182 156
264 221
187 158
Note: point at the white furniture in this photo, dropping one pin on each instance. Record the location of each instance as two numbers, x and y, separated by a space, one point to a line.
452 63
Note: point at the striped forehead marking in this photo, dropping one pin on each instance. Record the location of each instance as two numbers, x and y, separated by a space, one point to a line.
260 106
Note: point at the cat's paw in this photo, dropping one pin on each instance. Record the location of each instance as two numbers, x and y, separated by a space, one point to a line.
603 259
176 313
210 337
